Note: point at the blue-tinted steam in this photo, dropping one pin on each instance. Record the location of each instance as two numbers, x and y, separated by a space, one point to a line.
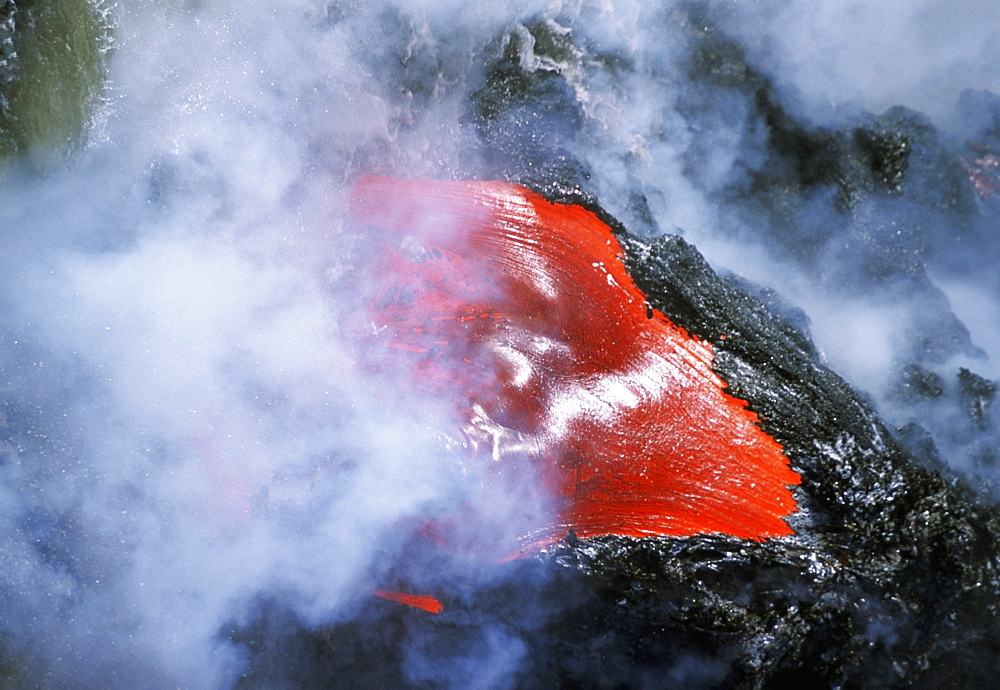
183 433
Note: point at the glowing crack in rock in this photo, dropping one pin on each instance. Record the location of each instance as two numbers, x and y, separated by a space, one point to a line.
521 314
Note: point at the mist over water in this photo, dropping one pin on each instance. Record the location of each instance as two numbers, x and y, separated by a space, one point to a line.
183 432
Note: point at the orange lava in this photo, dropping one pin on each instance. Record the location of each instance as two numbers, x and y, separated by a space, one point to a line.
520 313
417 601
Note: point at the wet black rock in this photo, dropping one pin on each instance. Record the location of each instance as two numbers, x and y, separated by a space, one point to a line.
895 568
978 394
918 383
526 112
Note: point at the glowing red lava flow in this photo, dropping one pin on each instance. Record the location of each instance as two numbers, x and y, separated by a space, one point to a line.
521 312
417 601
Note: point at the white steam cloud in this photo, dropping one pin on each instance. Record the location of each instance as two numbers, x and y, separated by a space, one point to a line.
188 433
842 54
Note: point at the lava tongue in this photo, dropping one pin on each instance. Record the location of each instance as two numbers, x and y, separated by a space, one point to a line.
521 312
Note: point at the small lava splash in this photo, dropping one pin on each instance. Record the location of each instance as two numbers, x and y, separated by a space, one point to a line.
417 601
520 313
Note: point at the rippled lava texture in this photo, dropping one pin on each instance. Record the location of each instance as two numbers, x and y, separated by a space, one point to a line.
521 312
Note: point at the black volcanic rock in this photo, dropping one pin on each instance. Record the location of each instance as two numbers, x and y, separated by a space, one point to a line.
894 570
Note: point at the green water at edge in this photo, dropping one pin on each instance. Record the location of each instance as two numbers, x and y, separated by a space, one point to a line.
53 78
52 72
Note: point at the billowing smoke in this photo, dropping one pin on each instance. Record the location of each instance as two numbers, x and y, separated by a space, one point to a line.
186 439
185 432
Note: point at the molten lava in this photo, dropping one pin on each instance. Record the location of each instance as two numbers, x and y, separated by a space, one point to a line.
417 601
520 313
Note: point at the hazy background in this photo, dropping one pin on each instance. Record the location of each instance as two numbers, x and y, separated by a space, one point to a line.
182 432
